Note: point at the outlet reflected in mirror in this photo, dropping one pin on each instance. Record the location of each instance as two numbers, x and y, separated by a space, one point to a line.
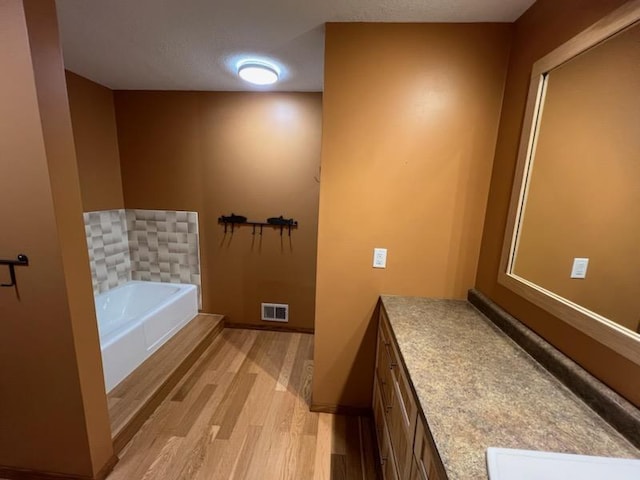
583 197
573 229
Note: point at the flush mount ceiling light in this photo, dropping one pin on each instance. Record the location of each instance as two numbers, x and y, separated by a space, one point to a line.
258 73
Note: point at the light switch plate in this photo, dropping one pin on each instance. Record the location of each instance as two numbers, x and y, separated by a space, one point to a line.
579 269
379 258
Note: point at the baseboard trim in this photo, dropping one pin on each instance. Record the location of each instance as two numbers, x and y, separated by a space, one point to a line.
341 410
273 328
12 473
108 468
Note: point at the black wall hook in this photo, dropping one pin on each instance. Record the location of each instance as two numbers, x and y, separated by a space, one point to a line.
276 222
22 261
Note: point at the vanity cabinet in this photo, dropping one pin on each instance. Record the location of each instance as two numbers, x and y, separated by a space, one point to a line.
405 447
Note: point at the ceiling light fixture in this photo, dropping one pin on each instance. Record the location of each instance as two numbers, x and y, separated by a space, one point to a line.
258 73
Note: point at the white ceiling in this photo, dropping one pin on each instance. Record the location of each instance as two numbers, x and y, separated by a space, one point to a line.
195 44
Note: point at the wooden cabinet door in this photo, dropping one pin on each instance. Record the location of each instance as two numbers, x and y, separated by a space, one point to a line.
402 411
378 415
401 439
389 470
416 474
383 367
427 460
387 460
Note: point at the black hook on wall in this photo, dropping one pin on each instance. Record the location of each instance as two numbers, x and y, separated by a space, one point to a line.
276 222
22 261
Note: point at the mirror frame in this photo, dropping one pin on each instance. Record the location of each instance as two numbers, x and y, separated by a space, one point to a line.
618 338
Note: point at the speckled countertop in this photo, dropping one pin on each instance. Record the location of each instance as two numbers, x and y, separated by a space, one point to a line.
478 389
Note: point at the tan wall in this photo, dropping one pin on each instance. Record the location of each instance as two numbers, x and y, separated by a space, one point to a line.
96 141
251 154
545 26
583 197
410 116
53 407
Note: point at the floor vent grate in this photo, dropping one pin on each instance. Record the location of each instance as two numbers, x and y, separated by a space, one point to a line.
275 312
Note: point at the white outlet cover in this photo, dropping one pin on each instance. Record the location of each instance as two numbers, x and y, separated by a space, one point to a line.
579 269
379 258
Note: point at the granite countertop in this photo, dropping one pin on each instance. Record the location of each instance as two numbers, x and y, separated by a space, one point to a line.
478 389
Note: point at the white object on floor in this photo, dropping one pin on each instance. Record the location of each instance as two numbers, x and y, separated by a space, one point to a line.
512 464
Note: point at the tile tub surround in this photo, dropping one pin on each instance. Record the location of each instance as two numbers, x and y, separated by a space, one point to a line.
108 246
164 246
478 389
149 245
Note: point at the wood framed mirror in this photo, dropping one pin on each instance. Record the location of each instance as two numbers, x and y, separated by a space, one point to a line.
572 242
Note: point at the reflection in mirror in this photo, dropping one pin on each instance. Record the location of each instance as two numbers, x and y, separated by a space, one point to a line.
583 186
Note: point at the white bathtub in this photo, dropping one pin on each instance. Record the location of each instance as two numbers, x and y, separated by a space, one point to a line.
135 319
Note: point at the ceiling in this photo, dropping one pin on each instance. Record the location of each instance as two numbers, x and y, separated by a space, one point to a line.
195 44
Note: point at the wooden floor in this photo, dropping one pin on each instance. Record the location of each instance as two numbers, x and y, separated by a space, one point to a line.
242 412
137 396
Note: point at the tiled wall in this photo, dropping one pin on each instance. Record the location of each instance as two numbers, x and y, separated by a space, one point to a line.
164 246
151 245
108 249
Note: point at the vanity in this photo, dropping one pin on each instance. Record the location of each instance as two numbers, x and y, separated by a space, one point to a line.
452 390
449 384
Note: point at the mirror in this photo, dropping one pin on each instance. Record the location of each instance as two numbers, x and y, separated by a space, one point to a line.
572 244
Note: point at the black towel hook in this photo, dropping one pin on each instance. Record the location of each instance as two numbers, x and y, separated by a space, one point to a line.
22 261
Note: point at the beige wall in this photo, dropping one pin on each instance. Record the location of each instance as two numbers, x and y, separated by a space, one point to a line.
545 26
410 116
96 141
53 408
584 199
253 154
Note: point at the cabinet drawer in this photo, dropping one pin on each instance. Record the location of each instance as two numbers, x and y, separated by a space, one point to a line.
402 410
399 379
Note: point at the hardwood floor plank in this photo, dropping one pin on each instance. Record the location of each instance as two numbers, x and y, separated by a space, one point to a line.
164 460
338 439
242 412
198 370
196 451
227 414
368 443
354 449
285 372
311 418
243 351
306 456
322 463
339 467
194 410
241 466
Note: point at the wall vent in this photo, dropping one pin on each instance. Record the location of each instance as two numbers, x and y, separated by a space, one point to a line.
275 312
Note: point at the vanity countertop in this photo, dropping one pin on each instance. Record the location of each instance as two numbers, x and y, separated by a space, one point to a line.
478 389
